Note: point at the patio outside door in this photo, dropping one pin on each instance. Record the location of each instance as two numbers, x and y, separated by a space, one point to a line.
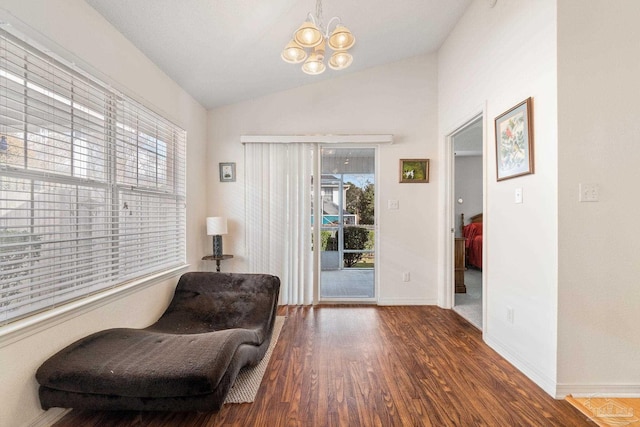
347 231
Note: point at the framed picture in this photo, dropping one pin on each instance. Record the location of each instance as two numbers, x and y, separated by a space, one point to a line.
514 141
227 172
414 170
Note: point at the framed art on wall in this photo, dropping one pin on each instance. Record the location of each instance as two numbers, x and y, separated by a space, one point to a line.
227 172
514 141
414 170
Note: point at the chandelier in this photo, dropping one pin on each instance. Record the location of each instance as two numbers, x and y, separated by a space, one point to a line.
310 40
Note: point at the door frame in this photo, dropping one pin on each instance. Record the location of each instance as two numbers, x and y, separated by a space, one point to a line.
447 292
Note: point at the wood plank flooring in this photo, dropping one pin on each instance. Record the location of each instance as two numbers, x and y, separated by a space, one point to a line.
375 366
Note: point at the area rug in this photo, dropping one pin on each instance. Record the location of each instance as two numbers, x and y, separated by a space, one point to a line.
608 412
248 381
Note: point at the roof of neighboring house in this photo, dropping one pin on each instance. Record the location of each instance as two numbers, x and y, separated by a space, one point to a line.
331 208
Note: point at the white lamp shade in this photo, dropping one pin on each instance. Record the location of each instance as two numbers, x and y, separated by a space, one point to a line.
340 60
216 225
293 53
308 35
341 38
313 65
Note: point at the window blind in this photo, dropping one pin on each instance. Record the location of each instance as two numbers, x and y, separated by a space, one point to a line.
278 198
92 185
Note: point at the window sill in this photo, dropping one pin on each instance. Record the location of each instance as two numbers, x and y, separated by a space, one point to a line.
31 325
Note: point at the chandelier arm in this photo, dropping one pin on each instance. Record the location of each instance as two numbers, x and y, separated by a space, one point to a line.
327 31
312 18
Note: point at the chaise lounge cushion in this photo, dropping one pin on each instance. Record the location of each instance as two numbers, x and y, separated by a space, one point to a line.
187 360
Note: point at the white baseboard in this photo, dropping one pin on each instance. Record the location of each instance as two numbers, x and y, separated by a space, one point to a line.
406 301
544 382
49 417
598 390
559 390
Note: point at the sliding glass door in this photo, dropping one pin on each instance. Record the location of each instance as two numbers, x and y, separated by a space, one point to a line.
347 229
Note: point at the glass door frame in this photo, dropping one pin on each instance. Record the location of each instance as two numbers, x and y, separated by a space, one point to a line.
318 213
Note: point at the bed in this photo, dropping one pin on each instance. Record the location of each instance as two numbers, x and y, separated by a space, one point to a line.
472 232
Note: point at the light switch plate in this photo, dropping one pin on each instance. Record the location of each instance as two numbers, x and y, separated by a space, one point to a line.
518 195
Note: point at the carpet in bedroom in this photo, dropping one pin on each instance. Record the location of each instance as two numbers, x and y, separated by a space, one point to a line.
469 305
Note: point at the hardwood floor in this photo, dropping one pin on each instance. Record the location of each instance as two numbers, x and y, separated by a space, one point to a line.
375 366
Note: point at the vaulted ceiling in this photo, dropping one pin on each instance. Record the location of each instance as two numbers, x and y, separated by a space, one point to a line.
226 51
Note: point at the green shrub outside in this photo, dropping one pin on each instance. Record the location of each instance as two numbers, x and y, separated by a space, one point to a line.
355 238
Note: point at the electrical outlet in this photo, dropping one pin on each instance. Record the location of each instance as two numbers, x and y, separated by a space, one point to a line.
406 277
509 314
588 192
393 204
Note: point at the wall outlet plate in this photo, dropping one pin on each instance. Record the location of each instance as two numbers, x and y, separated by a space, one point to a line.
509 314
588 192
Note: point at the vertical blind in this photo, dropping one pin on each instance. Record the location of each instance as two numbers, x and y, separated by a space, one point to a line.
92 185
278 197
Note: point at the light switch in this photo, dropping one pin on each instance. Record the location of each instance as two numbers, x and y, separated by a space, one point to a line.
518 195
393 204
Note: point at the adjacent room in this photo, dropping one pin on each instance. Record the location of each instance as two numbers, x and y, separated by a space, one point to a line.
432 193
468 201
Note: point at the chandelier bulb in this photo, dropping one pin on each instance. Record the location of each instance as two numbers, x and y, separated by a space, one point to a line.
341 38
314 65
293 53
340 60
308 35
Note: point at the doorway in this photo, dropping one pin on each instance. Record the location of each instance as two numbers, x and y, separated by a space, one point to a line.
347 226
468 161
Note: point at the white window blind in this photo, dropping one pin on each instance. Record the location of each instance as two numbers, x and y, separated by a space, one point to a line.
92 185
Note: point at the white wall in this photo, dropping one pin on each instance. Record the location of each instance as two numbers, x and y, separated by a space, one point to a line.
398 99
468 187
599 133
75 31
494 59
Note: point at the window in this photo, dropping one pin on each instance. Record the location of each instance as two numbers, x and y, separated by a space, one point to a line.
92 185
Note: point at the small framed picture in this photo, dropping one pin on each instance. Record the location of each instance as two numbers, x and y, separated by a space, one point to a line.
227 172
414 170
514 141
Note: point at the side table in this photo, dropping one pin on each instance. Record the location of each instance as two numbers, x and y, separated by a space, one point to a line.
217 259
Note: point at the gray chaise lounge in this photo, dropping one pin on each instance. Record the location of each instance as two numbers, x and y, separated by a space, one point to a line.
186 361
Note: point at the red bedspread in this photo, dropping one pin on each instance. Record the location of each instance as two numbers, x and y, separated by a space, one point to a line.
473 244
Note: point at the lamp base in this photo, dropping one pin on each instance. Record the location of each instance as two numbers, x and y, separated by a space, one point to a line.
217 245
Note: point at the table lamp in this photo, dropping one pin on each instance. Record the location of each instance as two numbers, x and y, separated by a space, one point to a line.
216 227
